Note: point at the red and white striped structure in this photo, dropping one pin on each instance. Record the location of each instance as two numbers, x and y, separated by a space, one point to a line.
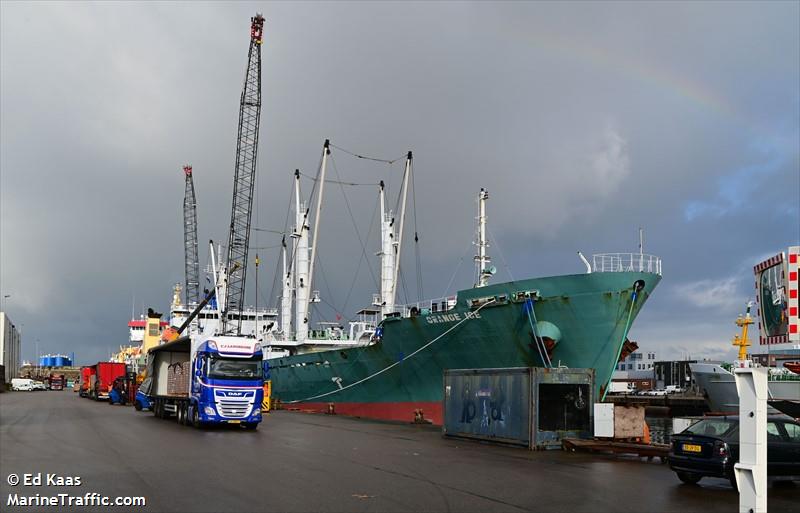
793 291
789 274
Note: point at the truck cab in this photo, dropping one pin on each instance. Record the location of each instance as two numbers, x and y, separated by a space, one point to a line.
227 384
56 381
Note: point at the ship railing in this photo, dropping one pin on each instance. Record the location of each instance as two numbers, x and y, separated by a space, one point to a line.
442 304
626 262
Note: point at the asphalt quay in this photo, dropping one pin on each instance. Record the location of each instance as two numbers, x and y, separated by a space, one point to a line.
300 462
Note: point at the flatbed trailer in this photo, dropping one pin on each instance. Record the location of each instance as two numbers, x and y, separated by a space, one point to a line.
170 400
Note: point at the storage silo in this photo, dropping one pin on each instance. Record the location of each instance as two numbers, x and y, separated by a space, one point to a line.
58 360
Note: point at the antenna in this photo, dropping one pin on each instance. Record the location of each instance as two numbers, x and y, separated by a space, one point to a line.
641 241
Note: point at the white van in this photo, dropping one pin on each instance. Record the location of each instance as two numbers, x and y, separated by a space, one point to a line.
22 384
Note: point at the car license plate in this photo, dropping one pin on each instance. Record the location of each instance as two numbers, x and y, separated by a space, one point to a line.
692 448
234 422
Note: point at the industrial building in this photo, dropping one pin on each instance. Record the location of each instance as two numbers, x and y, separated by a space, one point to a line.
10 351
673 373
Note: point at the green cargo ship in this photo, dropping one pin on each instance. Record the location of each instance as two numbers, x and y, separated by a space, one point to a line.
392 367
581 321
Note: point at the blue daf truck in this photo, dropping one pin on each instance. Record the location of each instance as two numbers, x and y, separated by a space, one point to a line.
218 381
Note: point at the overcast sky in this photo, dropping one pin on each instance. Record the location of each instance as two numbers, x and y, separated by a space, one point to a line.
584 121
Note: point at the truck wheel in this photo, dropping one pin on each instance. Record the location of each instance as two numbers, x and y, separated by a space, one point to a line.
180 415
196 418
251 426
137 405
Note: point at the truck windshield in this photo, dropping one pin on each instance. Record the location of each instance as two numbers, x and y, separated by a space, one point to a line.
234 368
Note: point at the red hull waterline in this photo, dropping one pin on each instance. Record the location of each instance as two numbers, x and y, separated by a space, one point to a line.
402 412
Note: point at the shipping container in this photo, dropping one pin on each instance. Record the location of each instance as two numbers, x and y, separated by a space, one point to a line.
103 380
530 407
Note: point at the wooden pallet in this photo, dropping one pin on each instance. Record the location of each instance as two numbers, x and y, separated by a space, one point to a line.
615 447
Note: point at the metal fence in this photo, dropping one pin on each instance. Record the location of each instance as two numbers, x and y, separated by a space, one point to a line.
428 306
626 262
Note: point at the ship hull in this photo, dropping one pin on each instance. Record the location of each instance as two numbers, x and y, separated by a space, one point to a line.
719 388
403 372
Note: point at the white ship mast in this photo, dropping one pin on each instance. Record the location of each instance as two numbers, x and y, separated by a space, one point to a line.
387 255
314 298
391 296
298 271
286 297
301 284
481 259
220 275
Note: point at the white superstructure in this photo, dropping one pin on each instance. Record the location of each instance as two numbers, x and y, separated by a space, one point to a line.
254 322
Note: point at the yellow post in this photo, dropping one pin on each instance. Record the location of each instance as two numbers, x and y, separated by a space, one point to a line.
266 403
742 342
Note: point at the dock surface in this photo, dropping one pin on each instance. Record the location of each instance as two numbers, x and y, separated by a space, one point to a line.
300 462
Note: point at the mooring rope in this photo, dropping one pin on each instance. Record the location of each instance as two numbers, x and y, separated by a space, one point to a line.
634 295
540 345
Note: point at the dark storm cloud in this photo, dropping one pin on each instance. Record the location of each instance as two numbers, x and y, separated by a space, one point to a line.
584 121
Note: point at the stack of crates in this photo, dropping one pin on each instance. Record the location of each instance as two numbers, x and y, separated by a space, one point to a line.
178 379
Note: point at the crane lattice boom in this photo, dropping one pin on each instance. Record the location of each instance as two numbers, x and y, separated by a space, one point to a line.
244 181
191 259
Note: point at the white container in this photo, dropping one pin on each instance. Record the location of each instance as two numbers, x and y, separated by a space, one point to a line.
604 420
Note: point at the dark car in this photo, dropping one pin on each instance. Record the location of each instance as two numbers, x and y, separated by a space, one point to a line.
710 448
